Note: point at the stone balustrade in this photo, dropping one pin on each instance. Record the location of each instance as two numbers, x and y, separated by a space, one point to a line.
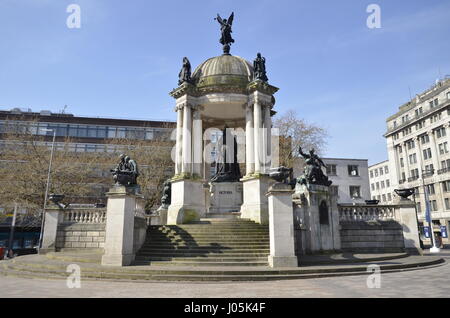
85 216
366 212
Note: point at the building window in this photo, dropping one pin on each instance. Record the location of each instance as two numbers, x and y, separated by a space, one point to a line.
388 184
381 171
443 149
410 144
440 132
429 168
447 203
371 173
412 158
353 170
382 184
378 186
355 191
331 170
386 169
419 207
424 139
389 197
427 153
434 103
401 163
446 186
433 205
372 186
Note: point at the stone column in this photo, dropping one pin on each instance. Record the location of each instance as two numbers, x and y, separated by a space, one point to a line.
257 134
249 141
267 139
187 140
408 171
281 227
53 216
434 151
179 141
197 143
119 237
419 156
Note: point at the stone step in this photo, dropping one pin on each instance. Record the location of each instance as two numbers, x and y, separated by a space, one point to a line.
183 246
207 259
210 235
196 263
145 250
176 272
209 231
214 225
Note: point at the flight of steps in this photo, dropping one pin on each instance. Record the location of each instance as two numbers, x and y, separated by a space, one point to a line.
208 242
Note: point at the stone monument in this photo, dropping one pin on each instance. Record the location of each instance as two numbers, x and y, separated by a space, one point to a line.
123 199
225 187
223 92
315 208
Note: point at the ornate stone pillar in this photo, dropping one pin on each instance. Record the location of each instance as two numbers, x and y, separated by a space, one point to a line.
179 140
197 143
187 140
249 140
257 120
267 139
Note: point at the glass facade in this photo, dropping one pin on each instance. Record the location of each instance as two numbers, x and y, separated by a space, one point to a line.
88 131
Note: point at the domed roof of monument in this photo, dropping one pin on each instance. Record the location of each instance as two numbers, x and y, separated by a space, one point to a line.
224 69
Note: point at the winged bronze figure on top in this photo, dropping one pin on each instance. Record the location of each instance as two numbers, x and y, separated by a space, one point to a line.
225 28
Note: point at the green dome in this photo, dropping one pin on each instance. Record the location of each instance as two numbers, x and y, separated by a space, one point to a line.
223 70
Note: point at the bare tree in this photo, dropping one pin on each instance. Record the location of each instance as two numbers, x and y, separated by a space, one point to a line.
295 132
154 162
80 176
24 164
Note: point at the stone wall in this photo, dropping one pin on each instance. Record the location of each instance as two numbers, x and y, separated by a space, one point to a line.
139 233
80 236
372 236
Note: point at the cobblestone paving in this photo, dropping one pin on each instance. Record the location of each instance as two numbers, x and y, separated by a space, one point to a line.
433 282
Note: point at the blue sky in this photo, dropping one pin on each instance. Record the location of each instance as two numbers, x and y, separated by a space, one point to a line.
125 58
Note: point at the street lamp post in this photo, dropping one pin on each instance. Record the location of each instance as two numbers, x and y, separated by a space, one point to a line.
47 186
434 248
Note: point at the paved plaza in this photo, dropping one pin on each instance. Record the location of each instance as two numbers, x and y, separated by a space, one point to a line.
432 282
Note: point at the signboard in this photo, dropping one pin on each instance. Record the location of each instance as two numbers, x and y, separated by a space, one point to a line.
426 232
444 233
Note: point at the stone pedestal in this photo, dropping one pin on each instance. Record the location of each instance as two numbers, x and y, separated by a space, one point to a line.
162 213
225 197
53 216
406 216
319 216
119 238
255 206
188 201
281 226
